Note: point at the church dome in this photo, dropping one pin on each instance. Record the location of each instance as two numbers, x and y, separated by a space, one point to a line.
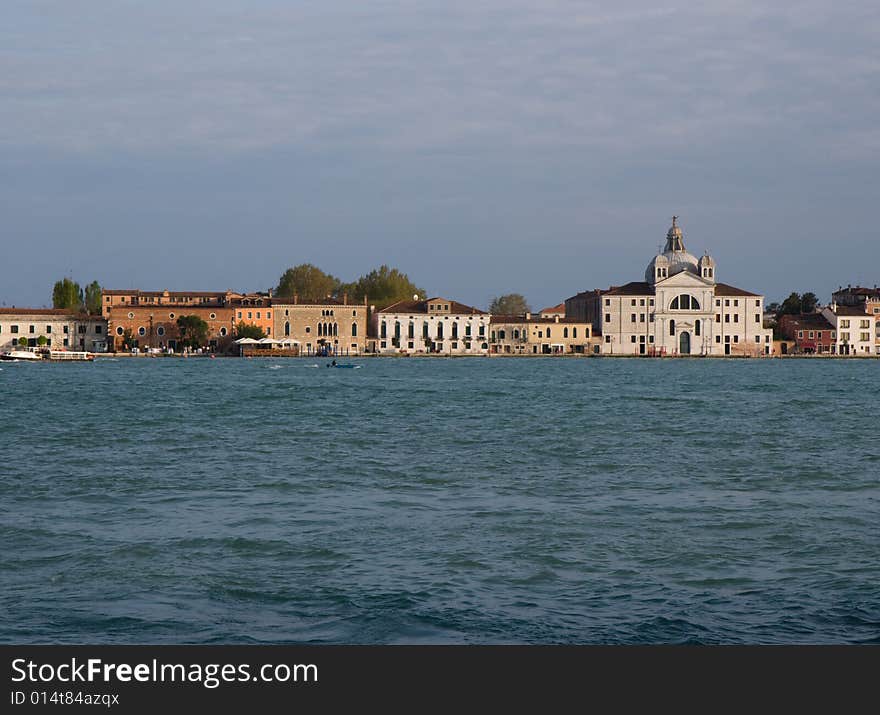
674 259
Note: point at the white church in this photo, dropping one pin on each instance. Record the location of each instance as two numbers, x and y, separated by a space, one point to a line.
679 309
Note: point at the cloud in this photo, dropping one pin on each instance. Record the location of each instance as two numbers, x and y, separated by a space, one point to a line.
398 76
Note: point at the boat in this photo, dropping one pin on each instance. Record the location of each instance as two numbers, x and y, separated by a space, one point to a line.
342 365
70 355
20 355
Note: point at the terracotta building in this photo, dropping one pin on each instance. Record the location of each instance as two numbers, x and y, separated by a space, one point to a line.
149 318
811 333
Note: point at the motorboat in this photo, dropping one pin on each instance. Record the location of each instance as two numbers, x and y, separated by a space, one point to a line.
20 355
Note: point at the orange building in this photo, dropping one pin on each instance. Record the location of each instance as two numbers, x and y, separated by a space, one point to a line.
255 309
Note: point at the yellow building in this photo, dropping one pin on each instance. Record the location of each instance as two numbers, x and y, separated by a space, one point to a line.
525 335
327 326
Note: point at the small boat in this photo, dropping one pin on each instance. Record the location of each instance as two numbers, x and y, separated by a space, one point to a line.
69 355
20 355
342 365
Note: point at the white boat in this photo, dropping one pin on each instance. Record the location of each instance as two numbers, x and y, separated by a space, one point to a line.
67 355
20 355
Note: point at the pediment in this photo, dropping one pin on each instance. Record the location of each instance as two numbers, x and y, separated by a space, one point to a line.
685 279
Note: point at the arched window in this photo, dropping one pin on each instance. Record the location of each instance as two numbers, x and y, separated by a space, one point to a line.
697 327
516 334
684 302
454 331
384 331
439 331
335 329
564 332
502 334
354 330
411 330
574 332
425 329
287 328
397 330
672 327
548 332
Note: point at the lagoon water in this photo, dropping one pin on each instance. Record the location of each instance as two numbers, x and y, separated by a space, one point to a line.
440 501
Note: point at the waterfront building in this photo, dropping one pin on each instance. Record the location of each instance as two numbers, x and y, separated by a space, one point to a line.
148 319
556 310
679 309
255 309
328 325
868 298
811 333
856 329
436 325
526 335
60 329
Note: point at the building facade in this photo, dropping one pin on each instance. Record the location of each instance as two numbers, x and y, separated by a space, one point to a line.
148 319
255 309
810 332
856 329
53 328
525 335
436 325
327 326
679 309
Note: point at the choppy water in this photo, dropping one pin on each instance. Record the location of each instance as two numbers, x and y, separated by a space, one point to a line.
440 501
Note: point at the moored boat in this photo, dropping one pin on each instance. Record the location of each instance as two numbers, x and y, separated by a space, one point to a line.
20 355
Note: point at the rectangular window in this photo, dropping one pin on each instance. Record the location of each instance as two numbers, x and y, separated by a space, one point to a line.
650 338
641 317
727 302
239 315
727 317
66 329
651 302
250 315
608 301
844 323
81 329
632 338
268 314
717 338
717 317
864 324
800 333
482 331
31 329
651 318
540 333
258 315
632 318
13 329
642 301
736 338
607 317
717 303
99 329
384 344
49 329
66 342
409 345
268 332
633 301
819 335
736 304
607 338
812 334
757 338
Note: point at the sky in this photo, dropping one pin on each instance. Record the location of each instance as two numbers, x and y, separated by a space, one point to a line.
483 147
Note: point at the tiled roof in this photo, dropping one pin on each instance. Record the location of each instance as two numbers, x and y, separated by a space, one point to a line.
175 293
807 321
723 289
635 288
541 321
421 306
555 309
44 311
851 310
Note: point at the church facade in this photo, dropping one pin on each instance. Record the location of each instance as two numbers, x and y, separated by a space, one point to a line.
679 309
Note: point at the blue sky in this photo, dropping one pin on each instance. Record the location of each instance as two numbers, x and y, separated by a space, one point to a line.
482 147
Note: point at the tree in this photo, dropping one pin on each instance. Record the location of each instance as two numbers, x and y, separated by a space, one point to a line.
22 341
796 304
193 331
382 287
93 298
42 340
306 281
249 330
67 294
127 339
509 304
809 301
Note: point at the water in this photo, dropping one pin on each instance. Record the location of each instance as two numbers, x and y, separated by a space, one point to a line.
440 501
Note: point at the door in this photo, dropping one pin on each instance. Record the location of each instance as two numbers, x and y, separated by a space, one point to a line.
684 344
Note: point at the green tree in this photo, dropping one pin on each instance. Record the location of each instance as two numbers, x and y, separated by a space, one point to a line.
306 281
67 294
22 341
382 287
796 304
42 341
93 298
509 304
193 331
249 330
809 301
127 339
